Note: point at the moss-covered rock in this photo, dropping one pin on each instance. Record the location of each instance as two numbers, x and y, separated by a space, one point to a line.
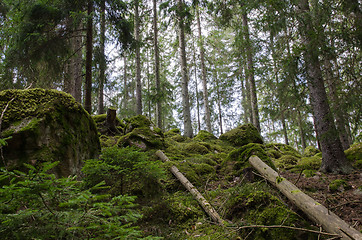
354 155
243 154
47 125
204 136
310 151
195 147
311 163
242 135
262 208
283 149
102 127
286 162
338 185
144 138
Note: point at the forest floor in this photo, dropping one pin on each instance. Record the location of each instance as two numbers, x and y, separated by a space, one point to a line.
346 202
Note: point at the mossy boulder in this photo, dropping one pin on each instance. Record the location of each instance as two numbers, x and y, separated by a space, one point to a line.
310 151
47 125
104 129
286 162
204 136
242 155
354 155
195 147
242 135
283 149
141 132
309 163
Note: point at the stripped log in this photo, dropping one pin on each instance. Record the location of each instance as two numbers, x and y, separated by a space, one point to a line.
188 185
314 210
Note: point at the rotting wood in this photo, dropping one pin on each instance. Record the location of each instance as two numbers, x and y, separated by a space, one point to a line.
314 210
111 120
188 185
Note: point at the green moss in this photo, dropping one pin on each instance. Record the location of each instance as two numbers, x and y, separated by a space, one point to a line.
338 185
309 172
283 149
311 163
274 153
139 121
194 147
286 162
204 136
243 154
242 135
310 151
354 153
203 168
172 132
99 118
143 138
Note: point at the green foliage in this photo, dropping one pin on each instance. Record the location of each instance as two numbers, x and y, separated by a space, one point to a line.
37 205
124 170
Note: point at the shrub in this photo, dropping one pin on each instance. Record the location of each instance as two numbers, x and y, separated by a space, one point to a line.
37 205
125 170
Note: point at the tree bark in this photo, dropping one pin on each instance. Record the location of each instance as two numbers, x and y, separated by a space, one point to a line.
333 159
197 96
88 64
315 211
157 67
138 60
218 95
301 132
102 64
73 70
203 69
188 185
250 74
185 92
125 88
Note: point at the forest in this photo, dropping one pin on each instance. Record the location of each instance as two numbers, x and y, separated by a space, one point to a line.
92 90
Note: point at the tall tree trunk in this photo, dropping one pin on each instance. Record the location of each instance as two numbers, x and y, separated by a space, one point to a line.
88 63
218 95
247 101
203 69
301 132
73 71
335 104
185 92
250 73
125 88
334 159
157 67
138 60
102 64
276 76
197 95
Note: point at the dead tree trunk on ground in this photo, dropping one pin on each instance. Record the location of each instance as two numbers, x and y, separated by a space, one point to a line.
188 185
314 210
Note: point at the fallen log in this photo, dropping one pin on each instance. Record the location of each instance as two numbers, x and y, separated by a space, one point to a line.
314 210
188 185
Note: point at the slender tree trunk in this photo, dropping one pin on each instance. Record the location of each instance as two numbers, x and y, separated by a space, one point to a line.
185 92
334 159
301 132
247 101
276 76
197 96
102 64
157 67
88 64
253 96
219 102
203 69
125 88
148 86
138 60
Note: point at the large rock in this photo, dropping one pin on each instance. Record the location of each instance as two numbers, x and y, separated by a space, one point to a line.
47 125
242 135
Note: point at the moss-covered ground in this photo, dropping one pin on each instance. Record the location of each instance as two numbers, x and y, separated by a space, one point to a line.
219 169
